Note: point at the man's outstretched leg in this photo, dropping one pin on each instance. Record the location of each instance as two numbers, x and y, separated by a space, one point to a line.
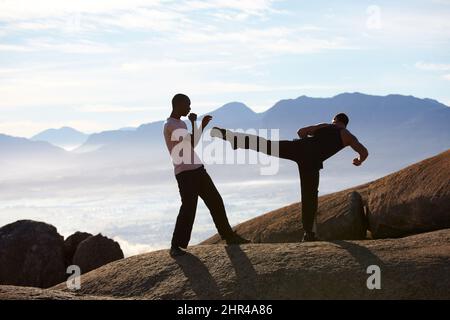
284 149
309 180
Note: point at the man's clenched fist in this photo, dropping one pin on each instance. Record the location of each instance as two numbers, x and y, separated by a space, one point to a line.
206 120
192 117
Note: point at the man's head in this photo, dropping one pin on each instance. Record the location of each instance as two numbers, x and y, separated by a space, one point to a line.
181 104
341 119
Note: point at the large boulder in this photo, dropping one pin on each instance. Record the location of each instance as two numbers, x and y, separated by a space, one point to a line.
339 216
95 252
71 245
31 254
342 217
413 200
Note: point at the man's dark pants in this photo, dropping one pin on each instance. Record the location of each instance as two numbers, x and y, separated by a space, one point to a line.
300 152
193 184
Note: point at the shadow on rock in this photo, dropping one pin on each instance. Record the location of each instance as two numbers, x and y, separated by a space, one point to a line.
362 255
245 272
201 280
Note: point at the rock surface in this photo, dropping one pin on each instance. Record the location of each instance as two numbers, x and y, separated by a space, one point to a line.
96 251
31 254
413 200
71 245
415 267
410 201
29 293
340 217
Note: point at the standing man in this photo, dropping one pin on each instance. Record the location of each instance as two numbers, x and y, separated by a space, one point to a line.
192 178
317 144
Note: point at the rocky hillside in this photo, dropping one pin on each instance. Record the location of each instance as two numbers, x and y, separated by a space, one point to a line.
415 267
410 201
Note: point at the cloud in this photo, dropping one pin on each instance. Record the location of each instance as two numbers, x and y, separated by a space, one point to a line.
14 48
111 109
80 47
217 87
443 2
413 26
130 86
163 64
267 41
171 21
84 16
45 44
158 15
131 249
432 66
36 25
248 7
27 9
101 85
147 19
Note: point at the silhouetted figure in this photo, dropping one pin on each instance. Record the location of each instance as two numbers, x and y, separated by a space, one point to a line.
317 144
193 180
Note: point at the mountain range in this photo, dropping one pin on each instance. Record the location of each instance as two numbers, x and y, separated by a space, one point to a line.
398 130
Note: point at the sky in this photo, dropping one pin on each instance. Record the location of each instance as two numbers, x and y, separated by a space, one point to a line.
105 64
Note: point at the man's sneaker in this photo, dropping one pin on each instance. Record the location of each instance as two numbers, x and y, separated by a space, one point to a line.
176 251
309 237
236 239
217 132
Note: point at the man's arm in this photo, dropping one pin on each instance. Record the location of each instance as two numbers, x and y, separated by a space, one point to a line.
197 131
349 139
309 131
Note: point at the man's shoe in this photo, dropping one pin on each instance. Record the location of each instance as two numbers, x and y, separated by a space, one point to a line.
217 132
236 239
309 237
176 251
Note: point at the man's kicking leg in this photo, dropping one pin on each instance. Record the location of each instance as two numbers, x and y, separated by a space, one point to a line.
284 149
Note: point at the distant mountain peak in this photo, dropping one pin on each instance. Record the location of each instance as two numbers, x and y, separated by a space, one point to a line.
69 129
64 129
352 94
64 137
235 106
